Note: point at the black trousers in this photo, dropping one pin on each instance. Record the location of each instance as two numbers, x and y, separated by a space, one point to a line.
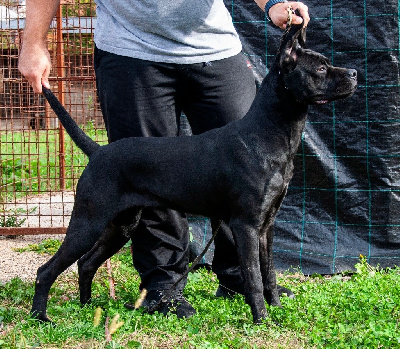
141 98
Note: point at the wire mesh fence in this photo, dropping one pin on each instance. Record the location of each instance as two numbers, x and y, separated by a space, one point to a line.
39 165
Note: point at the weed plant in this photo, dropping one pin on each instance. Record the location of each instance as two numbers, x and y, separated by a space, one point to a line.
47 246
359 310
10 218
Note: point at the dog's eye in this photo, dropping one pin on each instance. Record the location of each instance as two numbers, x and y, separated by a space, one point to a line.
321 69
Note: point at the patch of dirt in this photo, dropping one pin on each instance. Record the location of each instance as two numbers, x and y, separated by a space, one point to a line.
46 210
21 264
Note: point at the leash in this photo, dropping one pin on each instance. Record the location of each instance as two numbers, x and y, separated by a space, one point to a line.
165 297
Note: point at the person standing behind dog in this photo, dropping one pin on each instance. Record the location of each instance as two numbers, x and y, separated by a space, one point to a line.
154 60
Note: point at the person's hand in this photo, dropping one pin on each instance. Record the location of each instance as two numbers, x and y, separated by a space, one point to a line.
279 13
34 63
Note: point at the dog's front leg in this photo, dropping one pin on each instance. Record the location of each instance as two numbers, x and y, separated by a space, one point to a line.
247 243
267 267
266 252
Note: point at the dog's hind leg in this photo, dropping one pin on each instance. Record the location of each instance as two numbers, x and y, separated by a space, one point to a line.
111 241
69 252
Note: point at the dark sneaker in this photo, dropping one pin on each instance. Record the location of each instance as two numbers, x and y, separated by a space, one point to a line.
283 290
174 304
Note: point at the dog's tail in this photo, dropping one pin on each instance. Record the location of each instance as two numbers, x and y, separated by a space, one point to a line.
81 139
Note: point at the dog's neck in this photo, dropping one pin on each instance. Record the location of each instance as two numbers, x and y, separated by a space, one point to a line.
275 96
273 126
275 109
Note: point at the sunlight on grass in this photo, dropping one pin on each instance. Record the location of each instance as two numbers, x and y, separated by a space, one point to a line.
359 310
29 163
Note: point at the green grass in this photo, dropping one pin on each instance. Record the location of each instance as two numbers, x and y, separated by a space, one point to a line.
29 162
45 247
344 311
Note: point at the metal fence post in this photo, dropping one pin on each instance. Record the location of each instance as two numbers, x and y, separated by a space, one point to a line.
60 74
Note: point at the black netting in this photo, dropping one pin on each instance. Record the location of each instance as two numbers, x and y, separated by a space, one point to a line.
343 200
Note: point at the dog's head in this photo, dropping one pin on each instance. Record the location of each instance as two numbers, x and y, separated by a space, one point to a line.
308 75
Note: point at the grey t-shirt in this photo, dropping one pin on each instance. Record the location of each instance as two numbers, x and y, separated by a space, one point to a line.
174 31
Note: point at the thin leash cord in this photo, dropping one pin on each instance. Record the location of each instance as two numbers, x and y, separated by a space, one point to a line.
168 294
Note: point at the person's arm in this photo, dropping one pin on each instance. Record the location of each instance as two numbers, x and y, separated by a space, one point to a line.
34 60
279 14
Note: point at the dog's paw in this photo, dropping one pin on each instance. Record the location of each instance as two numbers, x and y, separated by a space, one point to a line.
259 318
85 301
272 297
41 317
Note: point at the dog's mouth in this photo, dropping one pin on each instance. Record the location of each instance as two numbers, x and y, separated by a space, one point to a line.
318 100
321 101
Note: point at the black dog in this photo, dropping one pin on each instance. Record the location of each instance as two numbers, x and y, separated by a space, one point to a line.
238 174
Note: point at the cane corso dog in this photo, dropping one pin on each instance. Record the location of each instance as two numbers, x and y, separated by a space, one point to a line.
238 174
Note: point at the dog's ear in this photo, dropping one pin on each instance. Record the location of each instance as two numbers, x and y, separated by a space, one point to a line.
301 39
292 40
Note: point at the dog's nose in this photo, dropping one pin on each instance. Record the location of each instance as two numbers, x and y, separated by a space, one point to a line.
352 73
